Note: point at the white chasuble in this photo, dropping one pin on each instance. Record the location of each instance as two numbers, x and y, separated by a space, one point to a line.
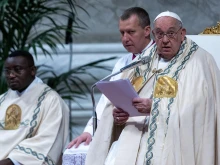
40 134
184 120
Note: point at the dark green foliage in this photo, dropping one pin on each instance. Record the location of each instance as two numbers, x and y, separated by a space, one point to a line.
34 24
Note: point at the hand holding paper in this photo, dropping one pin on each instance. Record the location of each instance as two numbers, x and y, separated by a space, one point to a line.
120 93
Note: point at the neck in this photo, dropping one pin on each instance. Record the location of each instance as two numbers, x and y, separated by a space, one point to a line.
163 59
166 58
23 89
145 45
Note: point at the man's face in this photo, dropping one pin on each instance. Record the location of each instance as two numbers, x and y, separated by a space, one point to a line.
167 47
19 74
134 38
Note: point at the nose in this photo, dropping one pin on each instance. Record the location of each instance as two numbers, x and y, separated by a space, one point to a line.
11 74
125 37
165 39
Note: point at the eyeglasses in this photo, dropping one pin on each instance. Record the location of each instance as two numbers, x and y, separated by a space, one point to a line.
15 71
170 34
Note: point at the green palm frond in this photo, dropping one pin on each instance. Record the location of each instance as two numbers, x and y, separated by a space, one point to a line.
70 84
38 25
30 24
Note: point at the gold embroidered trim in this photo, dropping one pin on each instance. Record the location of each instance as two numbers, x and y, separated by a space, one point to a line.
13 117
165 87
137 82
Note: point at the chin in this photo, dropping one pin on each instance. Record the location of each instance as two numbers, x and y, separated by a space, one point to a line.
130 50
166 56
14 87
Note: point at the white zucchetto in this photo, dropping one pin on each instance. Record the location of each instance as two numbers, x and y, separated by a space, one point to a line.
168 14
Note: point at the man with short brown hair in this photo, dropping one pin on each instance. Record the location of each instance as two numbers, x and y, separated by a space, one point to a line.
134 27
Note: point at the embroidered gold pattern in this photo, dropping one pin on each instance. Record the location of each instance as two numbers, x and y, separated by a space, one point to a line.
137 82
12 117
165 87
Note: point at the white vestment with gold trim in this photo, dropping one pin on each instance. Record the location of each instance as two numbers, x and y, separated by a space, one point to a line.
43 128
183 130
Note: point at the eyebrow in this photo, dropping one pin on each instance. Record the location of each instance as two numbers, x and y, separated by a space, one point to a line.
171 28
15 66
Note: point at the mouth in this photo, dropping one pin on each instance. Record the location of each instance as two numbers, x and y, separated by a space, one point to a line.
128 45
166 48
12 83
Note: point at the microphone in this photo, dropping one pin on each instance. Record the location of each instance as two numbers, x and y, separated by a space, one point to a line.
142 61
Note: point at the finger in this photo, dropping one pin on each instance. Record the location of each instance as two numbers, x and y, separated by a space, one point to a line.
121 122
114 113
137 100
121 119
79 141
116 110
144 110
88 140
123 115
71 144
117 120
137 106
141 110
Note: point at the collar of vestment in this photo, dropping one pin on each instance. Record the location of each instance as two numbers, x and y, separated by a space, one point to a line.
35 81
173 68
143 51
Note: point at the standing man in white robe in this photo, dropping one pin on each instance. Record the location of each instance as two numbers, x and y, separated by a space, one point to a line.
33 117
182 96
134 26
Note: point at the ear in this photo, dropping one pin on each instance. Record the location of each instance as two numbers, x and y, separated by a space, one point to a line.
153 34
33 70
147 30
183 34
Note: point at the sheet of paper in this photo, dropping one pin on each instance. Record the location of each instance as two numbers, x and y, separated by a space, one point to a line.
120 93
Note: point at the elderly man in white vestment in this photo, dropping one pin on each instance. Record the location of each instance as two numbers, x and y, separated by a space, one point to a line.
181 90
33 117
134 26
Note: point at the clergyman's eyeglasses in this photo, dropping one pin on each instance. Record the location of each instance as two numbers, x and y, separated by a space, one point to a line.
18 70
170 34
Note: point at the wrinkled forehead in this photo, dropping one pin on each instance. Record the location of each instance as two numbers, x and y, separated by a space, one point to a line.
166 22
